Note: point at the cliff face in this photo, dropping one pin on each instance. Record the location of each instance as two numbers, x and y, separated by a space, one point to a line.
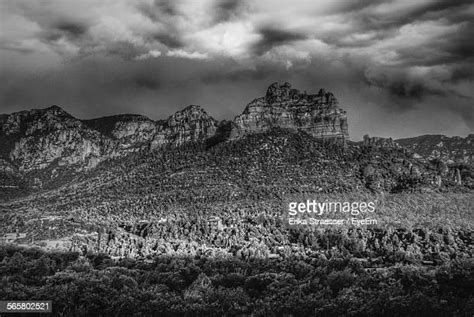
36 139
284 107
188 125
128 133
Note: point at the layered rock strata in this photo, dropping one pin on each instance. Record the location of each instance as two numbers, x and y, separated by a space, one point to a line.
284 107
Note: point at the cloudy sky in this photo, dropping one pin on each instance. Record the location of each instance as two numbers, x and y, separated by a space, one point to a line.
400 68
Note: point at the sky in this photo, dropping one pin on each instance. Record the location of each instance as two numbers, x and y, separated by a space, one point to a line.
400 68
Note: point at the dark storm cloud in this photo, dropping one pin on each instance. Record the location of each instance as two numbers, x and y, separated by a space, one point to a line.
163 13
439 8
403 87
461 44
367 16
271 37
341 7
170 40
462 72
158 10
237 75
457 46
373 18
167 7
339 40
401 83
123 49
225 10
71 29
447 30
448 53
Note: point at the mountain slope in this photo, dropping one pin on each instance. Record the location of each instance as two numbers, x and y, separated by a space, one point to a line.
268 165
448 149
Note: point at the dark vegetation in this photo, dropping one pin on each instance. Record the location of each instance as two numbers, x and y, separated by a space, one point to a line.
95 285
279 160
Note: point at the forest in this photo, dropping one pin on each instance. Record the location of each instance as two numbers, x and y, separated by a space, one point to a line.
339 285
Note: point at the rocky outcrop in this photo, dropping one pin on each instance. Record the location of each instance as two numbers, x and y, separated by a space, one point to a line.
130 127
284 107
191 124
379 142
34 139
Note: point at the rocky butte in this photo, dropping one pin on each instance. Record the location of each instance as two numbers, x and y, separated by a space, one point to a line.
39 138
284 107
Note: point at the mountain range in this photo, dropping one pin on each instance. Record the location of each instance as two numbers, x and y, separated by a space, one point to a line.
35 139
49 146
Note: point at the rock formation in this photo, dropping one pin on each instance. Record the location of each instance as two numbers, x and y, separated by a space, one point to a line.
191 124
130 131
379 142
36 139
284 107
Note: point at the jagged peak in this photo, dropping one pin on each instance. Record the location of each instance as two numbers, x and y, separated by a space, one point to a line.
277 92
191 113
57 111
192 108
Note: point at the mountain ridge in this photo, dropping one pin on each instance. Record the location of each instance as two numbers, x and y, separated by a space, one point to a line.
50 146
34 139
455 149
